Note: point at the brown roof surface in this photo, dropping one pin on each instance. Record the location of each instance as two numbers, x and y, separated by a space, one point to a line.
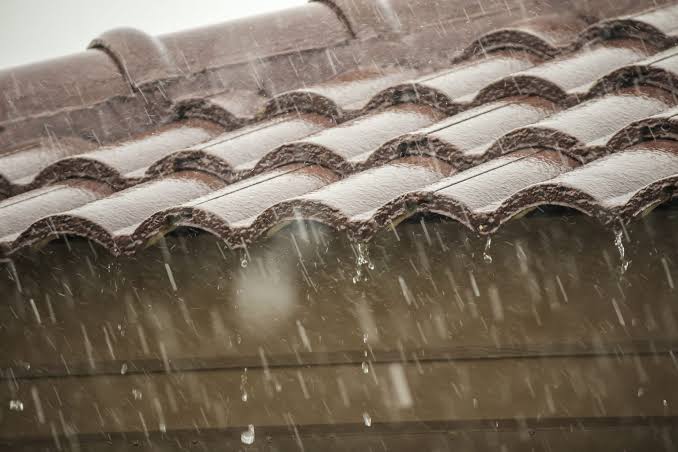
346 112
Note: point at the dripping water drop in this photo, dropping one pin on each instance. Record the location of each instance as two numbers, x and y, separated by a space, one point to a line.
16 405
247 437
618 241
486 253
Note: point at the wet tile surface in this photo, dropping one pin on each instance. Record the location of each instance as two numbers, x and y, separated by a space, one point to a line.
540 84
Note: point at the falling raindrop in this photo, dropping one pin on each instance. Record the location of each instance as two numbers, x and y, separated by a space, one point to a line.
496 303
16 405
123 369
617 310
38 405
400 385
170 276
35 311
137 394
304 336
367 419
343 392
474 284
406 291
243 389
247 437
665 264
365 367
486 253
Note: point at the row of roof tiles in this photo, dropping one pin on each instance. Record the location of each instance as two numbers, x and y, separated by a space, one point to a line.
481 198
128 82
518 136
574 76
130 218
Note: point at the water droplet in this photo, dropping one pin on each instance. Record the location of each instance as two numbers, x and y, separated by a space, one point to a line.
618 311
400 385
486 253
474 284
409 299
618 241
496 303
365 338
365 367
304 336
16 405
123 369
362 260
163 428
247 437
667 271
137 394
243 384
367 419
170 276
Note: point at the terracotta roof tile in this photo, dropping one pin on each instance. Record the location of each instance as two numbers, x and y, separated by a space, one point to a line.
537 110
244 208
592 128
469 137
566 79
19 212
235 154
19 165
656 25
113 216
454 89
542 35
341 97
348 145
649 170
370 19
469 195
145 59
26 91
119 165
354 199
231 109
